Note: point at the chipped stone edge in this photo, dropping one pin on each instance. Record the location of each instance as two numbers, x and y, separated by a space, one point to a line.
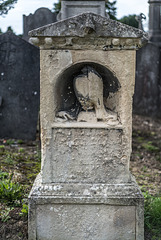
63 194
98 125
127 193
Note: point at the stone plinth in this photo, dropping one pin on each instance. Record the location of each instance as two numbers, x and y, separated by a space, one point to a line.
86 211
85 189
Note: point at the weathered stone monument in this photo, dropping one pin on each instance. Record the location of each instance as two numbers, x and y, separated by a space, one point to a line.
155 21
70 8
42 16
85 189
139 18
19 87
147 98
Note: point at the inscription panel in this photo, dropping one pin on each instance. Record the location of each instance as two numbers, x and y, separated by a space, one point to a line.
86 155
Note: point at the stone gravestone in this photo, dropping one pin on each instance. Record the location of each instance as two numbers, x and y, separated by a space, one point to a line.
19 87
155 21
41 17
85 189
147 97
70 8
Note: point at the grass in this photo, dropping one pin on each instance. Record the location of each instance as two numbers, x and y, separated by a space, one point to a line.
24 210
9 141
152 215
19 164
4 215
2 149
25 162
20 141
21 150
11 193
150 147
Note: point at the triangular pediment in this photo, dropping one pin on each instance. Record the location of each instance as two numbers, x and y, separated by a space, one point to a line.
88 23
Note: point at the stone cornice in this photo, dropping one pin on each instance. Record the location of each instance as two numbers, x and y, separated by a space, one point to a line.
88 193
91 27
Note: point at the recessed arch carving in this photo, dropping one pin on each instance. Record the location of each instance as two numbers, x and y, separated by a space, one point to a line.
69 104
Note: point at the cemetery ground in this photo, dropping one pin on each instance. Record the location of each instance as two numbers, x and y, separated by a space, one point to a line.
20 162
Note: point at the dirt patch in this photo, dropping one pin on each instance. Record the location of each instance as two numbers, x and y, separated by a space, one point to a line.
15 228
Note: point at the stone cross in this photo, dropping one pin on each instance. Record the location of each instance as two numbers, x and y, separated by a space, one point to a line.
140 18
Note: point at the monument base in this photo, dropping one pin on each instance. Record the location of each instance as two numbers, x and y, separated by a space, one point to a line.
86 211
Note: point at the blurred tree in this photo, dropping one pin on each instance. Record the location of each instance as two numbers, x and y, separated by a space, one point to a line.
130 20
1 31
57 6
9 29
111 9
6 5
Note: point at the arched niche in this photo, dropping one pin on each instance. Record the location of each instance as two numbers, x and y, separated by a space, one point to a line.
64 90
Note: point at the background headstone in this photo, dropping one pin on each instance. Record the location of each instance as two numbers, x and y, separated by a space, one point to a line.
71 8
19 87
155 21
147 98
41 17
